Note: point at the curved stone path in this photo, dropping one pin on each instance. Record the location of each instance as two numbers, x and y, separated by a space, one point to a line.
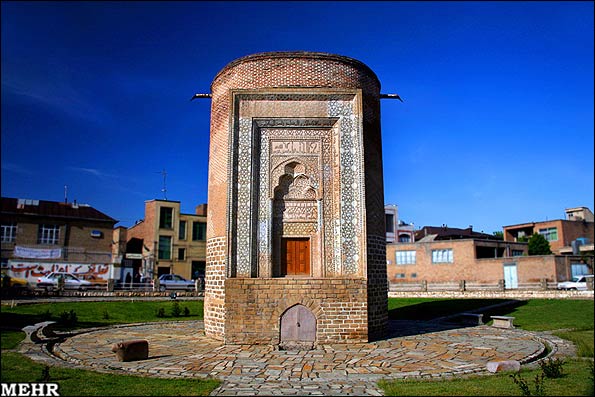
414 349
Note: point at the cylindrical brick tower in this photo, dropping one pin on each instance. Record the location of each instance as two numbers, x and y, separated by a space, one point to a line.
296 231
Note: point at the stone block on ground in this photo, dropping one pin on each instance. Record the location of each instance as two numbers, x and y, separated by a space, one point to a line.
131 350
504 366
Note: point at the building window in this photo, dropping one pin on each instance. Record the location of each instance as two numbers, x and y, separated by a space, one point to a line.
550 233
413 275
399 275
578 269
9 232
405 257
390 223
404 238
442 256
166 217
181 254
517 252
48 234
199 231
182 231
164 247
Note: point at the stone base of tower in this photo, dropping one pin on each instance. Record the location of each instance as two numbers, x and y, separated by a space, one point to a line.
257 307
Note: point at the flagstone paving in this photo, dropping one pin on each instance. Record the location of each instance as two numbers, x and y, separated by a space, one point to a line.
413 349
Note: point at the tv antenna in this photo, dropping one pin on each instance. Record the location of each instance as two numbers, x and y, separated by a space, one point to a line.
164 190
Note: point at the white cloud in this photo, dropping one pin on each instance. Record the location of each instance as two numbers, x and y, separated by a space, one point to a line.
16 168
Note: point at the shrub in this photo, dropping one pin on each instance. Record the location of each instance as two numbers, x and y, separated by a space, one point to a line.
161 312
47 315
175 310
186 312
45 374
552 368
539 389
68 319
105 314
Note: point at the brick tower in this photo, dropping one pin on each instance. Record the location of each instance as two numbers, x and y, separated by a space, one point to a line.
296 236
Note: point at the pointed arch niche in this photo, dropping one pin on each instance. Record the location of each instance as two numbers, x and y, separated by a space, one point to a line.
296 234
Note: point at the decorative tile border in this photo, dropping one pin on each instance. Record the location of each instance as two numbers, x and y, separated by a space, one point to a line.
329 151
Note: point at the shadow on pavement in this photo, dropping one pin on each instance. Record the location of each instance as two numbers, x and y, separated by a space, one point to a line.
442 315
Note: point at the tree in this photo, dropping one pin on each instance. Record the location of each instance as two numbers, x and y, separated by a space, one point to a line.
499 234
538 245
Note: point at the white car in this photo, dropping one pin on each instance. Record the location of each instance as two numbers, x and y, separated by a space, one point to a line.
50 282
173 281
577 282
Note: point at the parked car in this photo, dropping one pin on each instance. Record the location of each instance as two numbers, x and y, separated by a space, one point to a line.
174 281
50 282
577 282
14 284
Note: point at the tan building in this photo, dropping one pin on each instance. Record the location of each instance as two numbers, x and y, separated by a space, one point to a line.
165 241
40 236
573 235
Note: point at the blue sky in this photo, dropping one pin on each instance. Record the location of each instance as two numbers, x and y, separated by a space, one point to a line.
496 128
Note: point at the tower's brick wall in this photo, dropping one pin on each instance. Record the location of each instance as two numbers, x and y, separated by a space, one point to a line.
214 317
254 307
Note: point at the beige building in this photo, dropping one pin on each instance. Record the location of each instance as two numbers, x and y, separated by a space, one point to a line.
40 236
165 241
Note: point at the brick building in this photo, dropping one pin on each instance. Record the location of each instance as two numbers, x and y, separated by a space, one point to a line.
41 236
577 229
296 231
165 241
448 255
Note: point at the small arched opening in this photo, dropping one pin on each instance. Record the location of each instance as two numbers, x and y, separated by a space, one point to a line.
298 328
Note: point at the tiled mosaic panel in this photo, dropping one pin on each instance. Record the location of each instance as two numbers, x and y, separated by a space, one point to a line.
255 172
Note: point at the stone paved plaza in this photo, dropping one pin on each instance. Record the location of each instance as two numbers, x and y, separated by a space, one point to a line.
414 349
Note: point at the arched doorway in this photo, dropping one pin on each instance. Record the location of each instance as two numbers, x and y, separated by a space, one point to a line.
298 328
295 216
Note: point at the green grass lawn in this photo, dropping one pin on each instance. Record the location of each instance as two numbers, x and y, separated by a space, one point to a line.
16 368
573 316
96 314
427 309
11 339
576 382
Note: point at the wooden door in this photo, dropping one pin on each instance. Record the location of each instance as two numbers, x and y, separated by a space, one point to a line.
295 256
298 324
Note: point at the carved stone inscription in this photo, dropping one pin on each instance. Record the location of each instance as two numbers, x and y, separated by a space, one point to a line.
294 147
297 211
